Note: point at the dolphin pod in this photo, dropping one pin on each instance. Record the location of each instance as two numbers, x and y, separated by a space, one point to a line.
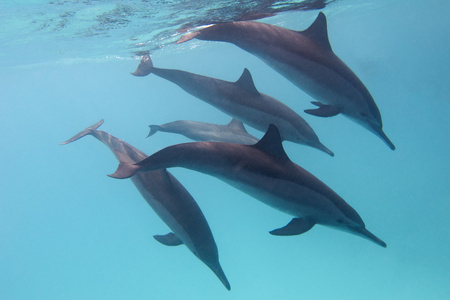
240 100
233 132
306 59
170 200
261 168
265 172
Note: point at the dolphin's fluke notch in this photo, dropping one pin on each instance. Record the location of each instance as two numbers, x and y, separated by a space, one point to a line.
295 227
83 133
145 67
125 170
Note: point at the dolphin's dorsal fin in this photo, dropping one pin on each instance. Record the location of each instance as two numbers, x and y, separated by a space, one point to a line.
318 31
169 239
271 144
246 82
237 125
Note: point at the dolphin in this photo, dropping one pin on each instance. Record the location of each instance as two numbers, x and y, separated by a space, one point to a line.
306 59
240 100
170 200
233 132
265 172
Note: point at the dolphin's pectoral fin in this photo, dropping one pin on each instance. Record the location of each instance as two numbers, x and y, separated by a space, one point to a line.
169 239
324 110
295 227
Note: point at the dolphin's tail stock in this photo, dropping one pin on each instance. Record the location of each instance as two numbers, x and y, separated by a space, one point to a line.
145 67
83 133
153 129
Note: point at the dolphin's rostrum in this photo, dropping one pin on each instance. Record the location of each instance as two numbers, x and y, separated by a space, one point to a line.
170 200
265 172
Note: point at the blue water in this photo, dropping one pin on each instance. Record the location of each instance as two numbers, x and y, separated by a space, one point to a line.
68 231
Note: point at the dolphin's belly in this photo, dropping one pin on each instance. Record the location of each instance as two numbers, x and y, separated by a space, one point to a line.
162 211
320 82
260 120
288 197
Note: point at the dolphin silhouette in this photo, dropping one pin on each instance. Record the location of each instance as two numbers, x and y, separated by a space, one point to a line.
240 100
233 132
307 60
265 172
170 200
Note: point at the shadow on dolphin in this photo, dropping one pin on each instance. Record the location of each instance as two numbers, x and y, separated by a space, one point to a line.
170 200
240 100
233 132
307 60
265 172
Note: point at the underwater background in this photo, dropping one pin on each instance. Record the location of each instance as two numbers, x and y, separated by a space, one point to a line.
67 231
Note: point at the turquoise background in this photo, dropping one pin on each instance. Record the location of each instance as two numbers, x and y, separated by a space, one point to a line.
67 231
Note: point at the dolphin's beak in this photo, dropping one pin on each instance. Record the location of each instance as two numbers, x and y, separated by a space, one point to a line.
383 136
361 231
221 275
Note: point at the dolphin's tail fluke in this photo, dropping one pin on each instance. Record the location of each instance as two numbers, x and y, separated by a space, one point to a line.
153 129
83 133
145 67
368 235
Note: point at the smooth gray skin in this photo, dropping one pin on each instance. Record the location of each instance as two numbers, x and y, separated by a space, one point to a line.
307 60
264 172
233 132
240 100
170 200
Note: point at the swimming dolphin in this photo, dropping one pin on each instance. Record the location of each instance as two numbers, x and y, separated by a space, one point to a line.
170 200
233 132
240 100
264 172
307 60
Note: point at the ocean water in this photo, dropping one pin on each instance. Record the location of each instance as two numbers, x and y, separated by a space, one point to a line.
67 231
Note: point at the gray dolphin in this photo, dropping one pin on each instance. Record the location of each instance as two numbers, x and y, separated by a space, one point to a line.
240 100
264 172
233 132
170 200
307 60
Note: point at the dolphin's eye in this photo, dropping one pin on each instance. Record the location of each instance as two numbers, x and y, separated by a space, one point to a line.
363 114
